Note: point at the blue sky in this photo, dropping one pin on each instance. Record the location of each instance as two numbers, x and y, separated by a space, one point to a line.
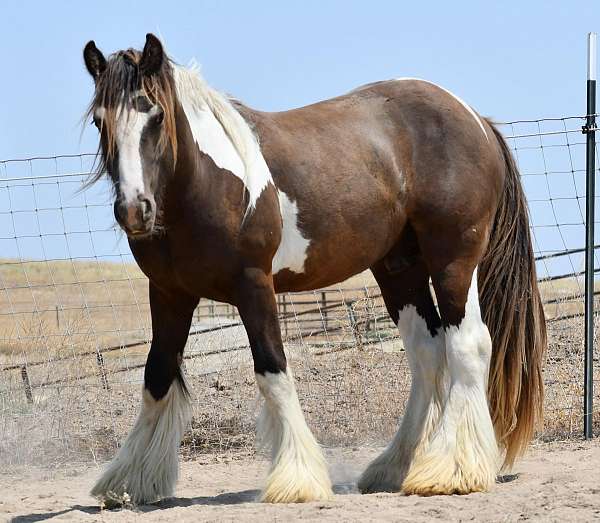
510 60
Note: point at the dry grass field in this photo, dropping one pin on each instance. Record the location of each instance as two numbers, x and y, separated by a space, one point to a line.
69 306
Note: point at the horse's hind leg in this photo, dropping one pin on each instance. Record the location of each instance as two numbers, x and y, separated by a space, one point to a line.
462 455
146 466
408 300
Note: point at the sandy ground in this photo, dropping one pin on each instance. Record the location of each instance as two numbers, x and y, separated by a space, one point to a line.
554 482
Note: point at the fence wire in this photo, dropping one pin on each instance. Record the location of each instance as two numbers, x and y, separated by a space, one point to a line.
75 325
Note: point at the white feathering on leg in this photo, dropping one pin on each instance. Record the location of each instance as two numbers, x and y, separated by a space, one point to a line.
428 388
462 455
147 464
298 470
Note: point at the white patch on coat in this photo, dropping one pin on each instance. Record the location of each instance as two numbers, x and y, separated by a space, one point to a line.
462 102
426 358
212 139
146 466
292 251
298 469
462 455
221 133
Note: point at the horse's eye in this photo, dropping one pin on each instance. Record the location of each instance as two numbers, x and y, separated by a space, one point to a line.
159 118
96 122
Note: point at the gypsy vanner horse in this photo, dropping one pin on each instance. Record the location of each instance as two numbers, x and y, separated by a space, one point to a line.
401 177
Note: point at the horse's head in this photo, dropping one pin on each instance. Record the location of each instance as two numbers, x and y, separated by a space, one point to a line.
133 108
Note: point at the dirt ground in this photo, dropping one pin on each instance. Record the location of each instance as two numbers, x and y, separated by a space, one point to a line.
557 481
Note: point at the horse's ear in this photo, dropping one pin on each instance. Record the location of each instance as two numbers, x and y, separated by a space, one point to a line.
94 60
152 57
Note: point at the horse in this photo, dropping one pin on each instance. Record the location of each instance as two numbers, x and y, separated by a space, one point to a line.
401 177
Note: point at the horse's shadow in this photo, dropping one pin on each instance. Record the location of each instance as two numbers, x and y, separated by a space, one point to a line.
226 498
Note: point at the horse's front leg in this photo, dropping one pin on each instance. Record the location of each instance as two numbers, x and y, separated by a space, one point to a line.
146 466
298 471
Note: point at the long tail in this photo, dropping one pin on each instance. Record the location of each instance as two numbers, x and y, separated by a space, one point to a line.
513 311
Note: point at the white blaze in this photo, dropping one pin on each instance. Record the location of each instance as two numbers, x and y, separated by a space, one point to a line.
130 126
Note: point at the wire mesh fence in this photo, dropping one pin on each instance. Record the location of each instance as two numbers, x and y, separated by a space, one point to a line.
75 328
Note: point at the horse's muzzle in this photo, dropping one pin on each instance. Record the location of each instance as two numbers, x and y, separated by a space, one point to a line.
136 217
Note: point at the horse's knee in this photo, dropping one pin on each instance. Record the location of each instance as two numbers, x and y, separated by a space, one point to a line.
162 368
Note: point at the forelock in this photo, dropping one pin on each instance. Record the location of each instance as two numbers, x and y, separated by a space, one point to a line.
117 90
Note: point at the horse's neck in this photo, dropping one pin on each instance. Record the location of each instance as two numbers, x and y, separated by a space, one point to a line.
208 148
198 174
209 137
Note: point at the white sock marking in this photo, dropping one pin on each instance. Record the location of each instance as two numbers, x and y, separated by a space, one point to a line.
146 466
298 471
427 362
463 454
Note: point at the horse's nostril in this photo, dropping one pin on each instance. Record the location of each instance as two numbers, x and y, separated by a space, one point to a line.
120 211
146 208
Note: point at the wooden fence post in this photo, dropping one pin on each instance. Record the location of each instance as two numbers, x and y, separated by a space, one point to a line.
353 323
369 309
103 377
284 313
324 311
26 384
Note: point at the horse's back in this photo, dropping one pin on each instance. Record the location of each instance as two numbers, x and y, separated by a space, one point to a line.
450 158
360 166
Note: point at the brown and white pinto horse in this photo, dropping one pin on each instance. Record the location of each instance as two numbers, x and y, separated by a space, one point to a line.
224 202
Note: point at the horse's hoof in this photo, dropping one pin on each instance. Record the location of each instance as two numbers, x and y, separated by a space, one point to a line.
299 494
379 477
436 477
297 486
